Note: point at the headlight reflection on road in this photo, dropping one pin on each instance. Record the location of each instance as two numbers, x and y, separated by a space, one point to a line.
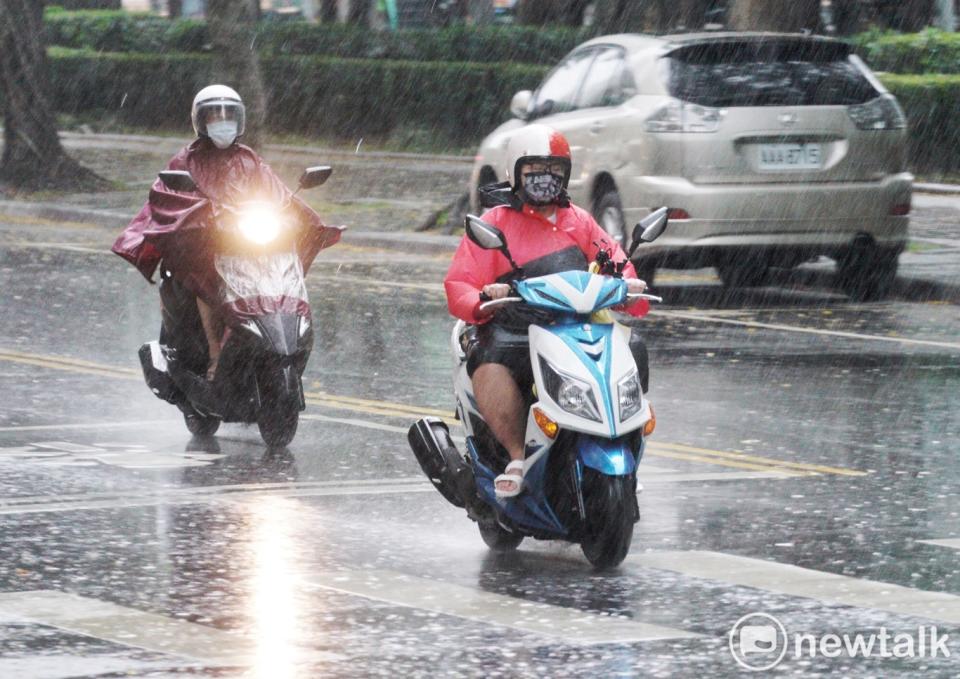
274 608
259 223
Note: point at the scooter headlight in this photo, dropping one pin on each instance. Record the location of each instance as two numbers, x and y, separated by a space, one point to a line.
259 224
573 395
629 395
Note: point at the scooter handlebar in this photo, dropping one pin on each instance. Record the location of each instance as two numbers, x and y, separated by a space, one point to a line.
493 304
643 295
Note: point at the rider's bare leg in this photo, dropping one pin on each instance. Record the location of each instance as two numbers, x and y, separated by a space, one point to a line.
499 401
213 332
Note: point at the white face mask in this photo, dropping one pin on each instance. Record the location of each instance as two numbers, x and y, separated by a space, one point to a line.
222 133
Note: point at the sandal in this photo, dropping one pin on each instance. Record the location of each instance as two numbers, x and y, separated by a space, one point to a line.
513 478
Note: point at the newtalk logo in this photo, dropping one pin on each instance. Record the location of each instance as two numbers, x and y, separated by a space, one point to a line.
759 642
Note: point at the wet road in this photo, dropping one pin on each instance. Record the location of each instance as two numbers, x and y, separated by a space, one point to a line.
803 468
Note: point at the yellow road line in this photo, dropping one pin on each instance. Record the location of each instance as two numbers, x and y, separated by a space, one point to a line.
380 404
400 410
722 462
803 466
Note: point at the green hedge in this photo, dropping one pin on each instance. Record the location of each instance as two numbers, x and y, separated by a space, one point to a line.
932 51
124 32
931 103
459 102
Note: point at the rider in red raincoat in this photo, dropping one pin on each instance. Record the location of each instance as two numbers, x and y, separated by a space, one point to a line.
173 226
545 234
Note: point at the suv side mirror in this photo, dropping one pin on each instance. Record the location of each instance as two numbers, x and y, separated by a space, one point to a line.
315 176
520 104
649 229
178 180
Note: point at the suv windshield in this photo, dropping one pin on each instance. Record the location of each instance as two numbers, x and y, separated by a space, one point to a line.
767 73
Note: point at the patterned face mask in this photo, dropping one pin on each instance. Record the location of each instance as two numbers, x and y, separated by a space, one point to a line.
542 188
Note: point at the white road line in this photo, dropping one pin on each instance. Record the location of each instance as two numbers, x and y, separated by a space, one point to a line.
811 331
127 626
571 625
239 494
828 588
951 543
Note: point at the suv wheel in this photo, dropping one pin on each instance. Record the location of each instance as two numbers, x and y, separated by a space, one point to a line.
867 274
608 212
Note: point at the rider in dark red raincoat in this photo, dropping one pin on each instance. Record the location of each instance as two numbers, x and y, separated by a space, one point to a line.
174 227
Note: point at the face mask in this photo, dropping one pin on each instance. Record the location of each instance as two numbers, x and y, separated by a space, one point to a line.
542 188
222 133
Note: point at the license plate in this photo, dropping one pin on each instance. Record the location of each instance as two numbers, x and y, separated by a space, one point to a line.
790 157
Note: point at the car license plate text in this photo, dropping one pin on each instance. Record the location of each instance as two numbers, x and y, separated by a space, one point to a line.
790 157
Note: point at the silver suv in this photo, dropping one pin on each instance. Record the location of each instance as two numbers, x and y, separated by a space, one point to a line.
770 150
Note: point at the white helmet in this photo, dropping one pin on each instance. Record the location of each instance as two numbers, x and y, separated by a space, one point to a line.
232 115
536 143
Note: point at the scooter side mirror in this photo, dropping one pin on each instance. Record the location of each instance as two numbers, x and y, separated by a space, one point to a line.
315 176
178 180
649 229
484 235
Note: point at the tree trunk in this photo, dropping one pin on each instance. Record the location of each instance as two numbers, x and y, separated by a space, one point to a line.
542 12
232 32
328 11
174 9
910 17
774 15
621 16
359 12
33 157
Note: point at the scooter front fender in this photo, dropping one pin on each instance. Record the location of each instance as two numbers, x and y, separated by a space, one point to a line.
612 457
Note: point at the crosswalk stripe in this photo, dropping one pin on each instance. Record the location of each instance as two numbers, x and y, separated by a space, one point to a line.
127 626
828 588
951 543
571 625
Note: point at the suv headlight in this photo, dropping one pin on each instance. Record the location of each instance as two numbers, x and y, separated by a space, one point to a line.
573 395
630 396
259 224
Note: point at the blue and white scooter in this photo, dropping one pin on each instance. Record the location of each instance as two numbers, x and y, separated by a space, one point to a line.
587 419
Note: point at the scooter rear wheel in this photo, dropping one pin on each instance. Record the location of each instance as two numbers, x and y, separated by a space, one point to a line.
608 531
201 425
498 538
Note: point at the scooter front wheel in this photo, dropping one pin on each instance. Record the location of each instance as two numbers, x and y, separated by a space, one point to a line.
201 425
608 527
278 425
498 538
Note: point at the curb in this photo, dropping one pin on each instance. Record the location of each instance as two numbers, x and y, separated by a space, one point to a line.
937 189
421 242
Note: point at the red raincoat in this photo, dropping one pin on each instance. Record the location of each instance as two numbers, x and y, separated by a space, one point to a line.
174 226
529 236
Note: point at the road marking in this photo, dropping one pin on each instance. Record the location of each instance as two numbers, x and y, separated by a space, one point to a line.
825 587
127 626
87 425
800 466
951 543
571 625
399 410
812 331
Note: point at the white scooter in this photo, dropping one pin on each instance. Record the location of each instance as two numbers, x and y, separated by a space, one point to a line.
587 419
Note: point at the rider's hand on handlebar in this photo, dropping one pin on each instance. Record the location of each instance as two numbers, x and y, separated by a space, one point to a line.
497 290
635 286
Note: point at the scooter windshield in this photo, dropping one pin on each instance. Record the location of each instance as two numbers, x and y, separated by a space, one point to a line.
576 292
265 284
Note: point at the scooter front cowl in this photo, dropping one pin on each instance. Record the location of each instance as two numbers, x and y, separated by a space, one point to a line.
282 332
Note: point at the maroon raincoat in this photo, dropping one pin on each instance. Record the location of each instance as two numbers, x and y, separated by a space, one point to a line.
177 227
